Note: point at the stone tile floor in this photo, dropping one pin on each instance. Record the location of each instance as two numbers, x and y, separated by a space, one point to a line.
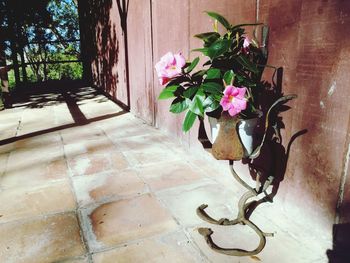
83 181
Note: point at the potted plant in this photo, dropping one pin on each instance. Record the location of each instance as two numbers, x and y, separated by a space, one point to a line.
227 87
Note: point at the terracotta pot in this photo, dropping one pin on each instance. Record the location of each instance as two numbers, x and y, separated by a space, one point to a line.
232 138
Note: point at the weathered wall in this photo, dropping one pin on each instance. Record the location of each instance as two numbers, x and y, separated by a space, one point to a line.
165 39
309 39
107 48
140 60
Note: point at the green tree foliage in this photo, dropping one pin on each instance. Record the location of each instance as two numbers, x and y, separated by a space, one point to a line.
41 32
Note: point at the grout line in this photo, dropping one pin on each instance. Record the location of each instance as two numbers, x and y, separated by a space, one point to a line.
195 245
76 210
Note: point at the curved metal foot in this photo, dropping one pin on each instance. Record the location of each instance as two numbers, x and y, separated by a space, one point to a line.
207 232
244 210
204 216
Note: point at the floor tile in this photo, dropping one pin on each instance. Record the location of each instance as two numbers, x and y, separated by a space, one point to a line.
76 134
3 163
98 145
46 239
129 219
153 155
74 260
174 248
169 174
142 142
87 164
33 173
105 186
23 202
42 141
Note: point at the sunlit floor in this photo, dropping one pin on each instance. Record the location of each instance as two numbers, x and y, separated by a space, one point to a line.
83 181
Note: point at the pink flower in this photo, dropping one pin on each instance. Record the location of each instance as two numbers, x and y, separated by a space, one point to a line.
233 100
246 44
169 66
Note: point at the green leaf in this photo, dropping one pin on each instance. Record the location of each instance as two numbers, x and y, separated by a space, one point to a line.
213 73
203 50
242 25
188 93
179 106
168 92
241 59
188 121
210 104
196 105
218 48
193 65
208 37
244 81
208 101
229 77
222 20
199 73
212 87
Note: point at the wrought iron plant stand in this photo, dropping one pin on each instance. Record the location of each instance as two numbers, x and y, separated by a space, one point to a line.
244 203
242 218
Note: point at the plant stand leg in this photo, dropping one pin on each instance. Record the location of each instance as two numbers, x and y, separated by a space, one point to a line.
243 207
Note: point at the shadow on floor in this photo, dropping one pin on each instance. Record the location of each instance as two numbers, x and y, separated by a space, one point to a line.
48 94
341 244
72 96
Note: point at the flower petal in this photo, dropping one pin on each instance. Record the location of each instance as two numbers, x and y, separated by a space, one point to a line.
240 104
233 111
159 68
163 80
168 58
246 42
241 92
225 103
180 60
229 90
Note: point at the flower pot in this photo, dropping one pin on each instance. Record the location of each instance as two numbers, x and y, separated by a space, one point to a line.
247 132
232 138
214 128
